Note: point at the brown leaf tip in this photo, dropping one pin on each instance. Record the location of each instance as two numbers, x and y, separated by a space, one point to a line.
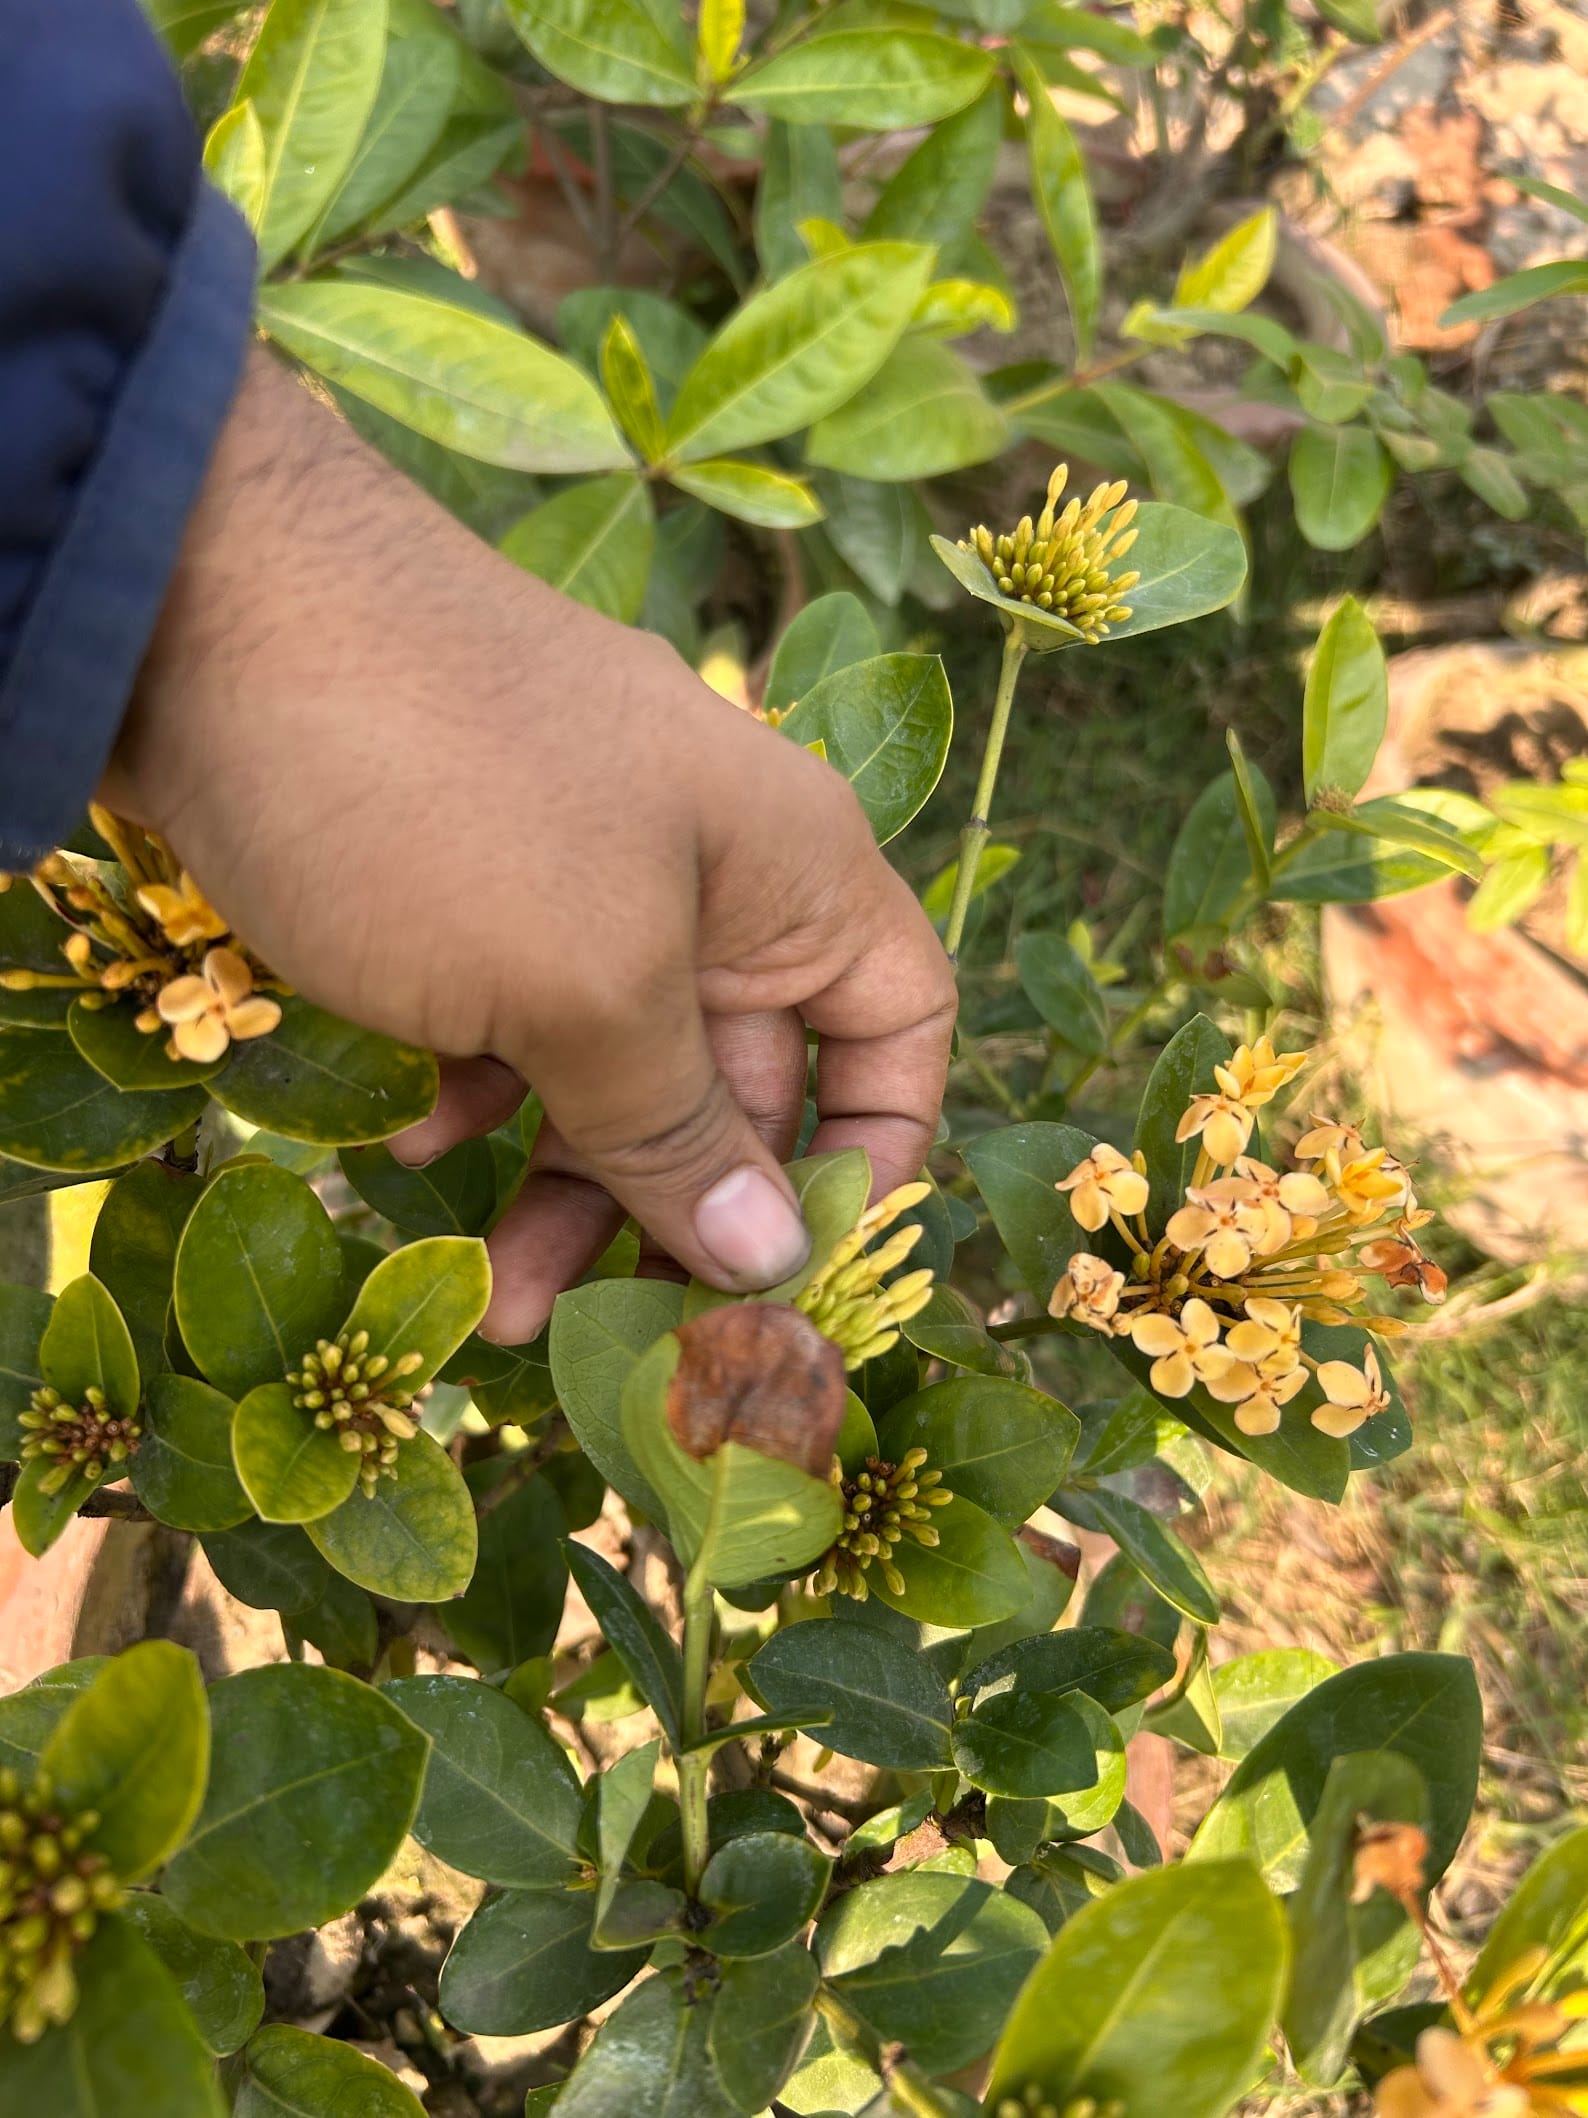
761 1374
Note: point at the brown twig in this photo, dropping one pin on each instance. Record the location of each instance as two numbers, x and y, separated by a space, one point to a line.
113 1506
606 203
654 189
1344 113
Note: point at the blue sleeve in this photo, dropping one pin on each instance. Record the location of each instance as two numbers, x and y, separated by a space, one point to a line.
125 294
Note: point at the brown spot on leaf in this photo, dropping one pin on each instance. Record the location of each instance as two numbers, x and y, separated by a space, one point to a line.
758 1373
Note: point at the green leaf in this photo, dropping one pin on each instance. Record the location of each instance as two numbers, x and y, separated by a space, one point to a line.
1512 886
220 1985
525 1962
463 379
876 79
133 1252
1358 18
454 1195
932 1960
635 1635
291 1470
973 1575
923 413
1058 982
939 189
1232 272
655 2056
318 1078
500 1799
879 531
868 1695
831 634
626 378
511 1608
414 1538
288 2073
1184 1068
269 1566
1188 566
182 1470
1391 822
1160 1994
29 1717
418 87
1547 1910
1210 868
185 24
1116 1670
761 1889
258 1277
668 337
87 1346
1488 473
312 79
1172 1568
886 724
58 1112
1424 1707
24 1319
751 493
135 1746
619 51
798 349
1025 1744
131 2044
1170 441
799 182
108 1038
998 1444
1518 290
1347 703
594 541
1343 869
1254 1691
314 1783
425 1298
953 1330
1340 478
1346 1956
341 1623
1016 1168
760 2022
598 1332
1063 198
39 1516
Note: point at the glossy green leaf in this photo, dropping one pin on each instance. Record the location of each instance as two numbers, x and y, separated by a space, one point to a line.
669 338
1172 1567
500 1799
414 1538
1518 290
29 1717
1188 566
1183 1069
318 1078
1345 1955
184 24
425 1298
135 1746
454 1195
1424 1707
886 725
24 1319
1025 1743
58 1112
109 1039
269 1566
598 1332
1511 887
799 182
932 1960
182 1470
1340 478
473 147
654 2055
1063 196
463 379
954 1331
631 391
997 1443
923 413
512 1606
290 1469
593 541
1210 867
877 79
131 2044
879 531
1254 1691
418 87
258 1277
312 79
314 1783
133 1250
863 1691
937 191
1547 1910
39 1516
1058 982
619 51
525 1962
341 1623
760 2022
1115 1669
290 2073
1161 1994
221 1986
833 633
1343 869
87 1346
635 1635
751 493
1347 703
1016 1168
973 1575
761 1889
798 349
1388 821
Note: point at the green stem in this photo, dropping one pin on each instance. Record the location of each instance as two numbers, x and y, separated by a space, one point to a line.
1025 1327
909 2087
974 837
1126 1028
694 1767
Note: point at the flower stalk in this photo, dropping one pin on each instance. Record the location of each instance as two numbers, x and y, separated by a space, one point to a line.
973 838
694 1766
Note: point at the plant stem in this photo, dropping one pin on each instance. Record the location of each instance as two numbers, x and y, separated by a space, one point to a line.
973 839
664 176
694 1767
909 2087
1025 1327
606 196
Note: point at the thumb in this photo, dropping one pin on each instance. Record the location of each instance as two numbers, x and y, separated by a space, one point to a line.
639 1098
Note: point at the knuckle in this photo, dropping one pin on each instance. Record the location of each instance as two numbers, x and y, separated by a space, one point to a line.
685 1152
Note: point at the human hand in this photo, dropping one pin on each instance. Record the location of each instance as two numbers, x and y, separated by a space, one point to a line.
452 805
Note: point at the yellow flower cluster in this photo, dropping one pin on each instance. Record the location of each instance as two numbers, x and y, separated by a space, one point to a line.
52 1893
847 1301
1064 563
363 1399
1502 2059
85 1440
1249 1254
150 937
882 1505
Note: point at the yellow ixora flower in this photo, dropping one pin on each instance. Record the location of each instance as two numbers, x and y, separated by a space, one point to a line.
1106 1183
847 1301
183 911
1221 1221
1284 1208
1089 1292
1063 563
1253 1076
1184 1350
214 1007
1354 1395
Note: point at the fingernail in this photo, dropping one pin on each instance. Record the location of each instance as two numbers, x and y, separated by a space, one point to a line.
752 1228
413 1149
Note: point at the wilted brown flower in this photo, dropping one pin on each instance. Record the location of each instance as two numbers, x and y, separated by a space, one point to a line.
762 1374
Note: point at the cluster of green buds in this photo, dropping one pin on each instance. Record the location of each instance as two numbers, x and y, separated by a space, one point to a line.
84 1440
1064 563
362 1400
885 1503
847 1301
52 1893
1033 2103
